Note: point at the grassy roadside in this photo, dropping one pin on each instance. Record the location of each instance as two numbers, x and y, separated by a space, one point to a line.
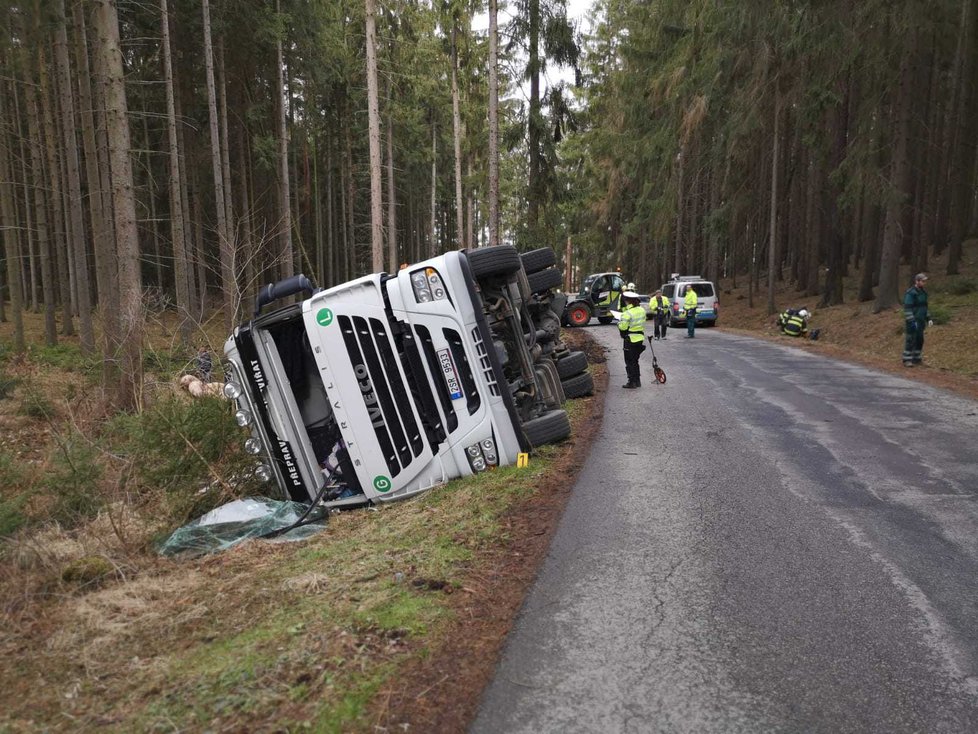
336 633
851 331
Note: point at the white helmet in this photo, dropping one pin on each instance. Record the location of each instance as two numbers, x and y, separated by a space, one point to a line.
630 287
630 294
804 313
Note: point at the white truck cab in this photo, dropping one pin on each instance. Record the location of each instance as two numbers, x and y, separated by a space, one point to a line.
388 385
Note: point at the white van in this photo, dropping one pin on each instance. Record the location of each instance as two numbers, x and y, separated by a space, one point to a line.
708 307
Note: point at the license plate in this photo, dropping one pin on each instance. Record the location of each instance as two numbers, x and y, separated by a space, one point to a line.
451 376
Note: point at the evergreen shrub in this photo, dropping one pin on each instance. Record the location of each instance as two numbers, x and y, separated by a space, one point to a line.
74 481
189 454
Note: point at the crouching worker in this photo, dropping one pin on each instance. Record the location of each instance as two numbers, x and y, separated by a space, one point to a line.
631 326
794 323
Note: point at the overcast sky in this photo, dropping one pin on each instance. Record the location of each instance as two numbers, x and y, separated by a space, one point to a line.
577 14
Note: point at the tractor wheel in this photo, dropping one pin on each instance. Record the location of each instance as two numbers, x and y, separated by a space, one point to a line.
578 314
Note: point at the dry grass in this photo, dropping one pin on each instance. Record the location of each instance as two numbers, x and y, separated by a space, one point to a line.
98 632
852 331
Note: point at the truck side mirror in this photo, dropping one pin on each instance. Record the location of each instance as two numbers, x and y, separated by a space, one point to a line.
284 288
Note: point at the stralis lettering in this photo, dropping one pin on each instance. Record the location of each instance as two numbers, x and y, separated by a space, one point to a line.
369 396
257 375
292 470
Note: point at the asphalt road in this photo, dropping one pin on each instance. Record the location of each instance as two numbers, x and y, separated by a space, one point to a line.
773 541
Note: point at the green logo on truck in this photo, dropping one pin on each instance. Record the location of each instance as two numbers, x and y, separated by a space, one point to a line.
382 483
324 317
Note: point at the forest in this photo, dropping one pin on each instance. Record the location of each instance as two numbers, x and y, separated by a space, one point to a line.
161 160
170 156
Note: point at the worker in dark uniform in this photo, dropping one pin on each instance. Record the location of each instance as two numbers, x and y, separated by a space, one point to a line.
660 312
631 325
916 315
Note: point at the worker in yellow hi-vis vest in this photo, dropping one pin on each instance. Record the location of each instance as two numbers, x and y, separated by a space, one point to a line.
631 325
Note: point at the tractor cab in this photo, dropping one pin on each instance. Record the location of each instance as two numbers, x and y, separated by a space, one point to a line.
598 296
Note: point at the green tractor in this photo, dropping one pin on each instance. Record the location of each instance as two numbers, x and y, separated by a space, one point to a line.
598 296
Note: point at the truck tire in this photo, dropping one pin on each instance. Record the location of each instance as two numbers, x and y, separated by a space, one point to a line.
578 314
488 261
544 280
536 260
550 427
578 386
573 364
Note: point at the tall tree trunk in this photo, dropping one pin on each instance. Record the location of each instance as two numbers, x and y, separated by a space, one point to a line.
127 239
680 206
78 246
391 193
30 253
331 238
373 137
56 200
832 294
225 246
222 111
154 229
493 124
40 217
11 243
434 192
470 206
287 262
349 252
772 247
534 121
180 265
457 139
963 162
248 251
107 272
195 295
887 294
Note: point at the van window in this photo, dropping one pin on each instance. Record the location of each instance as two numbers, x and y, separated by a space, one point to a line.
669 290
703 290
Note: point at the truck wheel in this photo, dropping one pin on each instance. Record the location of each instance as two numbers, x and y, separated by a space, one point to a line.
573 364
487 261
578 386
544 280
536 260
578 314
605 319
550 427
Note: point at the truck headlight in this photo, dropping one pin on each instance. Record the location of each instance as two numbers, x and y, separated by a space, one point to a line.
231 391
242 418
263 472
482 455
489 452
428 286
253 446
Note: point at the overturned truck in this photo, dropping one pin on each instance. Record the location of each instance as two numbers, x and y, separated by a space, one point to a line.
383 387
